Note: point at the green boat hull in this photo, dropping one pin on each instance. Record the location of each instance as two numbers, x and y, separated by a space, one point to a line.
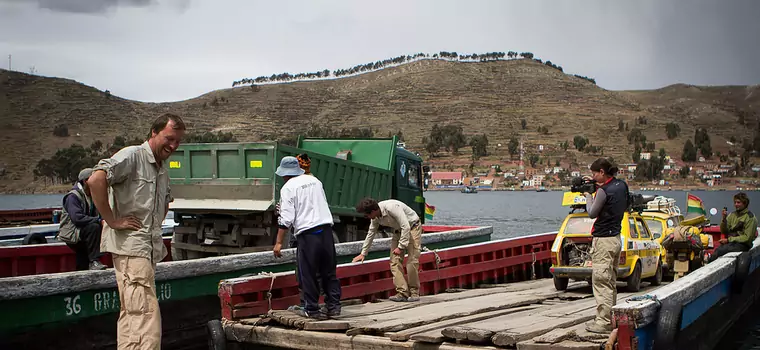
87 318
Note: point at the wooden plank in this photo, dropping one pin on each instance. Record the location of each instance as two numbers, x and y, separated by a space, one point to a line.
431 333
287 318
257 321
576 333
562 317
565 345
403 319
328 325
543 287
481 332
510 329
556 336
298 339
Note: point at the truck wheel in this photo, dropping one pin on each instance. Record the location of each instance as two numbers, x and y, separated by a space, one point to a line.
184 254
34 238
217 340
656 280
633 282
560 283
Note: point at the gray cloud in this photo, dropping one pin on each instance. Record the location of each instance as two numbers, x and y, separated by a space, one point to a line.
163 50
84 6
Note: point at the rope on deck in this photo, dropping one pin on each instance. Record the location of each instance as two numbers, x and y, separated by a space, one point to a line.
645 297
437 261
271 284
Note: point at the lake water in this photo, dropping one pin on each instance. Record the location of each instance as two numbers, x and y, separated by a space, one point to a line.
511 214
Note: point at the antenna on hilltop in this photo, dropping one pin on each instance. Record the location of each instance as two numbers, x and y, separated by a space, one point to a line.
9 62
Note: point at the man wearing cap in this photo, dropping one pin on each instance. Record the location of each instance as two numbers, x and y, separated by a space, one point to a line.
81 225
303 206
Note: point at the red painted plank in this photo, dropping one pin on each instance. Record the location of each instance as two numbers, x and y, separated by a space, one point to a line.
245 297
45 258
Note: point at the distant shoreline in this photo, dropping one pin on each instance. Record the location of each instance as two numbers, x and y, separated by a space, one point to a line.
633 188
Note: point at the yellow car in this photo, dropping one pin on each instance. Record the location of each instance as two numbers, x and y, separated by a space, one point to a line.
640 256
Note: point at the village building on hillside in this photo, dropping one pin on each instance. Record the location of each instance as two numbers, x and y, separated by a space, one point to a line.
447 178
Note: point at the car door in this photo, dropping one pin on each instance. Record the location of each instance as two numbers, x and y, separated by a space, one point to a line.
649 251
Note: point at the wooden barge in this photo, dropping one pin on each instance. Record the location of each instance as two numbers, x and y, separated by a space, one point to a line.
487 295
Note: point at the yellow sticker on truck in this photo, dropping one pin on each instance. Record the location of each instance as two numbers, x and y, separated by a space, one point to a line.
256 164
175 164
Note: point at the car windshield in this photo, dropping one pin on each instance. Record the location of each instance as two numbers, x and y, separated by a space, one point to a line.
655 227
579 225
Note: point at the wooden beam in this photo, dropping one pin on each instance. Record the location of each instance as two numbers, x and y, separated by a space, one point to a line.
431 333
400 320
297 339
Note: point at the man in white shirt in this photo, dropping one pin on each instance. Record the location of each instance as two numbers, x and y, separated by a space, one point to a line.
303 206
407 236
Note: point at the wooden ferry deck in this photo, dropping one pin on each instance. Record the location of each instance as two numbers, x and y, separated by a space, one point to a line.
524 315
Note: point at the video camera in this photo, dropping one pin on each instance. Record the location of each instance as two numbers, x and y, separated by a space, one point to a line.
579 184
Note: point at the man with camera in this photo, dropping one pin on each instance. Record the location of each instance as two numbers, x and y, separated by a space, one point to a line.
607 206
740 227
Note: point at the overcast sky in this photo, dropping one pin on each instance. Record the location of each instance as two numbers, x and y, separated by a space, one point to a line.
168 50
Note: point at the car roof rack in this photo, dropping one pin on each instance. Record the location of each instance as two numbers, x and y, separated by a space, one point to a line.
664 205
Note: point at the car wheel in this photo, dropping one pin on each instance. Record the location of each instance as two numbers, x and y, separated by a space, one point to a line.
633 282
656 280
560 283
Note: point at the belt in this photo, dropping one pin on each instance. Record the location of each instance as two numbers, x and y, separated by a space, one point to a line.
316 229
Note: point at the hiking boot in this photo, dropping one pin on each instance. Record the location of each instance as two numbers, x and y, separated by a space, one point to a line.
96 265
397 298
594 327
318 316
413 298
329 313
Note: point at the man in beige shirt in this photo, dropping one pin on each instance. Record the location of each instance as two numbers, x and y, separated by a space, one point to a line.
407 236
131 192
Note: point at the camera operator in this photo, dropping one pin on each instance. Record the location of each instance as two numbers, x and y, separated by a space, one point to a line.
607 207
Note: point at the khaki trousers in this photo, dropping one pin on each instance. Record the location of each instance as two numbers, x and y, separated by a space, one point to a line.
605 255
139 325
412 289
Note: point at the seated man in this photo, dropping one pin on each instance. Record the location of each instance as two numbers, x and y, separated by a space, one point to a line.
81 224
740 227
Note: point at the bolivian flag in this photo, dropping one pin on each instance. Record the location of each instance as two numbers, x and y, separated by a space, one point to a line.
694 205
429 212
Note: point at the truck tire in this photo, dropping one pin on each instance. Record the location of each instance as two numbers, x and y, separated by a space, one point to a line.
184 254
34 238
217 340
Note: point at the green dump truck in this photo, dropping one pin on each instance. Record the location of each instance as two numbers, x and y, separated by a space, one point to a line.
225 193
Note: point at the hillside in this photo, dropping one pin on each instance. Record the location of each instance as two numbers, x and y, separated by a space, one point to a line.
484 97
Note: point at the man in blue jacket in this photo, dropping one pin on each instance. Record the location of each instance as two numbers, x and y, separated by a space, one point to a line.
81 224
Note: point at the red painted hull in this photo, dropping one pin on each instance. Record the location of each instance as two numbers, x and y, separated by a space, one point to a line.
23 260
26 260
505 260
26 215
